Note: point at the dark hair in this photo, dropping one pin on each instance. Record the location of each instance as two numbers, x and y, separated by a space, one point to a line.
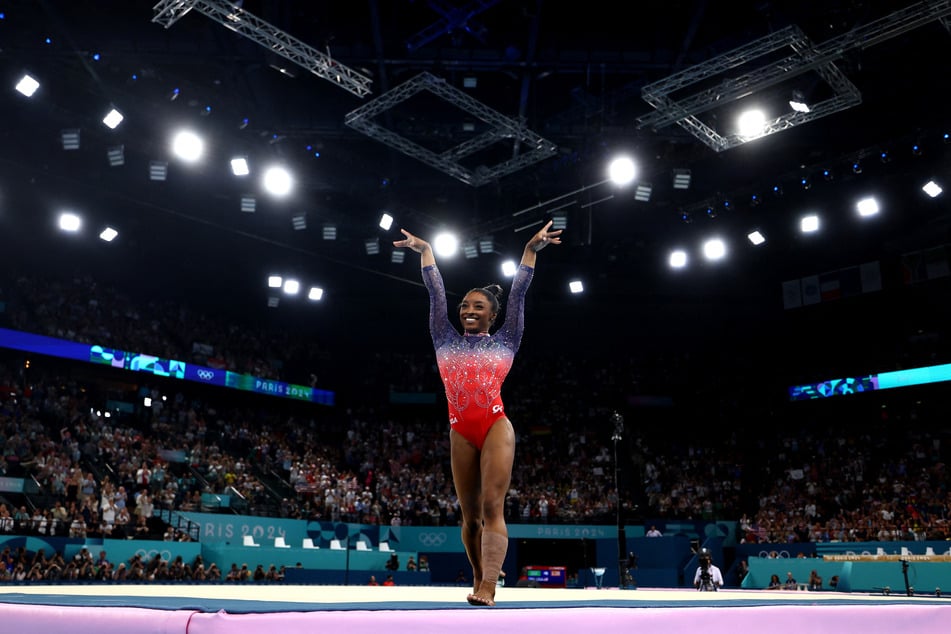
493 292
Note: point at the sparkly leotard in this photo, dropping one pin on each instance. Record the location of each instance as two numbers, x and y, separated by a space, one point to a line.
473 367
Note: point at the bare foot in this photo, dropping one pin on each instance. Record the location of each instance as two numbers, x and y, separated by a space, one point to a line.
484 595
477 599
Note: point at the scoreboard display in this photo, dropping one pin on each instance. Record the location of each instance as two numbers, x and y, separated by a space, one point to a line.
545 576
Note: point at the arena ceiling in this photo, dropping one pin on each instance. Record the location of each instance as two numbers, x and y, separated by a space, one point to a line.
486 118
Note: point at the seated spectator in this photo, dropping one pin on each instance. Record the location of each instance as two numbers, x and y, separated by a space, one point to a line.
790 583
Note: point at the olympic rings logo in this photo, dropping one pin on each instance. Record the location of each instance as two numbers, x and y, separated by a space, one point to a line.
150 554
432 539
207 375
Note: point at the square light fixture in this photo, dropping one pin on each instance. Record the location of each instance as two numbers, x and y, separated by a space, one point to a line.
681 179
239 166
330 232
70 139
248 204
486 244
158 170
27 86
299 222
397 256
372 246
642 192
116 155
112 119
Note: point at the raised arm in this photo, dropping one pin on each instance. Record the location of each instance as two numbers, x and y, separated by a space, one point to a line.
420 246
539 241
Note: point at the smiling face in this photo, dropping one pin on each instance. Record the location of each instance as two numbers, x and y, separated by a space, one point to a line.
475 312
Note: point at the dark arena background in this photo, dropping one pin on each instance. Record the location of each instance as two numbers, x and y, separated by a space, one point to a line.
219 407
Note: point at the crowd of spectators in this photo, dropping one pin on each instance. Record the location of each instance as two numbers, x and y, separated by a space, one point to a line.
850 471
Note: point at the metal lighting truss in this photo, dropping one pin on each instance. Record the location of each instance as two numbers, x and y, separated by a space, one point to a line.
167 12
501 129
806 57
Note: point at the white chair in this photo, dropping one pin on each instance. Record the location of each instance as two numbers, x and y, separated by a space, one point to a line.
929 551
249 541
361 545
385 547
335 544
280 543
308 543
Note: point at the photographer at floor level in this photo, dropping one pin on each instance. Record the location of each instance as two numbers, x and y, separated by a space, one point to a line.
708 577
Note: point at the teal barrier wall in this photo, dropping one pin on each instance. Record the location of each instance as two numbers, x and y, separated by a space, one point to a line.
313 559
854 576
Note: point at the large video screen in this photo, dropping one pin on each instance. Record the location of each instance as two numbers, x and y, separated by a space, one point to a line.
158 366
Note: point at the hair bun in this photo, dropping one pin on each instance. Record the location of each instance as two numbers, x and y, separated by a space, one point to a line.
495 289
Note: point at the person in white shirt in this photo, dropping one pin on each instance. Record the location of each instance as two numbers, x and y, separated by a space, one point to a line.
708 577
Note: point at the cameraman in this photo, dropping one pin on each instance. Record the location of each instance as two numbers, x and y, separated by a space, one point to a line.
708 577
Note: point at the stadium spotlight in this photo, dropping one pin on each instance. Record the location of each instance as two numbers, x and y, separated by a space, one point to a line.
277 181
677 259
809 224
187 146
239 166
275 281
386 221
291 287
316 293
26 86
622 170
69 221
798 102
932 188
112 119
576 286
108 234
714 249
867 207
445 244
756 238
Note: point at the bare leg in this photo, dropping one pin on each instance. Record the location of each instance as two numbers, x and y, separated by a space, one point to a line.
468 485
496 459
